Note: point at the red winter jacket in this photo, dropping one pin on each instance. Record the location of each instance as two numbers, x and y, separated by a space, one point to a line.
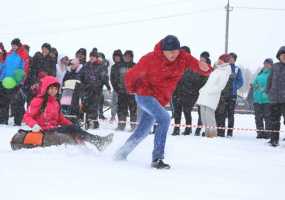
52 117
25 56
155 76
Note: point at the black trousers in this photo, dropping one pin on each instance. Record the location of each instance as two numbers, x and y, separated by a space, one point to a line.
226 109
18 106
91 106
262 117
183 103
101 104
11 98
74 134
126 104
277 110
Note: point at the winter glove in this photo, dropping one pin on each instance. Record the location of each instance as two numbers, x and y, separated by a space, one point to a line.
36 128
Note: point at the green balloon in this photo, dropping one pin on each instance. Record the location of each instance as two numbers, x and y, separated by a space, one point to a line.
9 83
19 75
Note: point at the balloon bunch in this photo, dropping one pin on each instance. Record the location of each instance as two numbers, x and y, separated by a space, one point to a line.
11 82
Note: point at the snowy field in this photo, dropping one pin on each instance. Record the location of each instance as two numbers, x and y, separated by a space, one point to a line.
218 169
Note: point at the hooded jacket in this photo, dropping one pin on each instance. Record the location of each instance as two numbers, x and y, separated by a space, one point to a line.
189 85
276 86
51 117
210 93
155 76
259 86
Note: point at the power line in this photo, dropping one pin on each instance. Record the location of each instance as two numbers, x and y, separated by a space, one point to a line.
260 8
105 12
127 22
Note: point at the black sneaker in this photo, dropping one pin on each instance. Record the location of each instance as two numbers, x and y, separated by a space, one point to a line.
159 164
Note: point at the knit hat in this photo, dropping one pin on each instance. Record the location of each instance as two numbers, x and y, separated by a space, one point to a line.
47 46
129 52
93 54
95 49
268 61
225 57
186 48
205 54
82 51
16 42
170 43
280 51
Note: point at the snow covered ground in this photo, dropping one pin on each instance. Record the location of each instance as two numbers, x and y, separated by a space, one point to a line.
224 169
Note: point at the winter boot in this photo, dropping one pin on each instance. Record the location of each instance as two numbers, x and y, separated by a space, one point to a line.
187 131
211 134
221 134
260 135
113 118
176 131
92 124
133 126
101 116
267 135
197 132
100 142
159 164
230 134
274 143
121 127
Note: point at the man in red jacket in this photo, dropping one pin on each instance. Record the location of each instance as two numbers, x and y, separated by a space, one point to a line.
153 80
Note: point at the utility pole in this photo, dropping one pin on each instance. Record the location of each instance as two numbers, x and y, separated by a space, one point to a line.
228 10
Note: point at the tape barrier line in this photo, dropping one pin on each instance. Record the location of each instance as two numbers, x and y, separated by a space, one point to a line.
206 127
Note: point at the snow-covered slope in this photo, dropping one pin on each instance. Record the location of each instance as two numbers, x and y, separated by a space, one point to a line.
221 168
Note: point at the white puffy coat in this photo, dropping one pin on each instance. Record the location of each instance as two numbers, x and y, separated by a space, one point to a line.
210 93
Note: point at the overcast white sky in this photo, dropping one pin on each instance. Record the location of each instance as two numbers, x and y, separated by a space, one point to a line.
200 24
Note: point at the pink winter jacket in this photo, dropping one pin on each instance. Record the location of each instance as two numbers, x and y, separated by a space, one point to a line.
51 117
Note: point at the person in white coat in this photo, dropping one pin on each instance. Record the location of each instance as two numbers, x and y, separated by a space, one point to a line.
61 68
210 94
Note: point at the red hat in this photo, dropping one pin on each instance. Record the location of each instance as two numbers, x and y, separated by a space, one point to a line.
225 57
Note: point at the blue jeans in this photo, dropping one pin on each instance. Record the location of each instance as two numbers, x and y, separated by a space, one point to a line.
151 111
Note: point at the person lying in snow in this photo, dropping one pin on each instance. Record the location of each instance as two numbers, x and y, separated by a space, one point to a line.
44 115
